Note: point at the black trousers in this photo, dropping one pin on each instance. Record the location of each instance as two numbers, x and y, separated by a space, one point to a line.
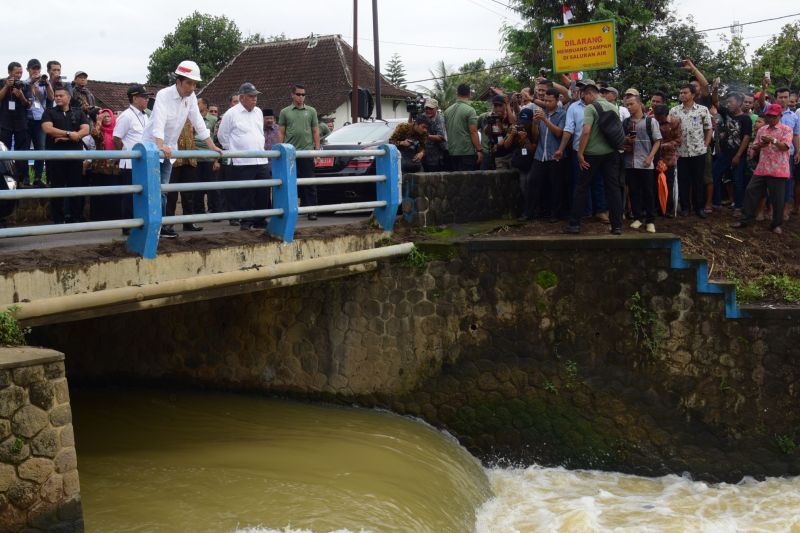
252 199
641 186
22 141
462 163
755 192
61 173
213 199
691 185
308 193
125 200
102 207
545 176
614 184
189 204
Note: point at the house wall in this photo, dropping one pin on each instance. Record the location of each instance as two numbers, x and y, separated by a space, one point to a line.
390 108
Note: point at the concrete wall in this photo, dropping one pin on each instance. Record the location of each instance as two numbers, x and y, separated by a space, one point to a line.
432 199
39 487
529 350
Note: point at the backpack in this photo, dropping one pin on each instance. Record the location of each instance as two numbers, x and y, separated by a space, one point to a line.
648 122
610 126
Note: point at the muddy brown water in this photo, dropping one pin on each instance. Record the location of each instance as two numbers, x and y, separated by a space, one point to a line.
154 461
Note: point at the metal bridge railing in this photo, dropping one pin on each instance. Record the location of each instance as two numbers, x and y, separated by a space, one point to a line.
146 189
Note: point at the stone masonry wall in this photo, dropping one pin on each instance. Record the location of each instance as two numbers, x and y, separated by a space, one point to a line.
432 199
587 352
39 487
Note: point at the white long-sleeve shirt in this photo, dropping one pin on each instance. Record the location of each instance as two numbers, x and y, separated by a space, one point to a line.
129 129
169 115
241 129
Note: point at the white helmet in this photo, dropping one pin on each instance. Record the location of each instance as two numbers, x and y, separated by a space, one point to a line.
189 69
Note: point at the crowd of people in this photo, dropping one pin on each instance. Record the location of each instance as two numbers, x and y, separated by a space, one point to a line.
43 111
581 149
584 151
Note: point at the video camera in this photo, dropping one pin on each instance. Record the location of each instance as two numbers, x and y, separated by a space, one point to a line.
415 105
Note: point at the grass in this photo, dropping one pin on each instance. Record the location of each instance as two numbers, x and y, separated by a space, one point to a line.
774 287
647 328
416 258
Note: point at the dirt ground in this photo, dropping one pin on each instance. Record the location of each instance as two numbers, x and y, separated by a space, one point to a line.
750 256
745 256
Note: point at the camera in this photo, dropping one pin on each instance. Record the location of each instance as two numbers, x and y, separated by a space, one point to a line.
414 145
415 105
543 72
18 84
491 119
43 77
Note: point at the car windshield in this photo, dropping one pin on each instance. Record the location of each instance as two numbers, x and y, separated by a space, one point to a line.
362 133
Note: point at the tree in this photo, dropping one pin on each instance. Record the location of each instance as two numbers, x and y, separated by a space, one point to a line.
444 86
650 41
780 56
396 72
208 40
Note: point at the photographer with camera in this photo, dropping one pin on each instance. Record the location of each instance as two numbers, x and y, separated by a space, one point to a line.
496 128
436 145
15 99
41 93
410 139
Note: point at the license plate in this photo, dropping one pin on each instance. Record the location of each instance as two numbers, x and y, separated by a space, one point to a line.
324 162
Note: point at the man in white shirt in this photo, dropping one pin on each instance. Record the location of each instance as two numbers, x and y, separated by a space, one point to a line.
128 132
242 128
174 105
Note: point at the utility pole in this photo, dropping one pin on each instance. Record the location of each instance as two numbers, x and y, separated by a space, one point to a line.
354 66
378 113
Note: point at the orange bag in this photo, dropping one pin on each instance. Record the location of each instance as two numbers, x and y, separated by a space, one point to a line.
663 191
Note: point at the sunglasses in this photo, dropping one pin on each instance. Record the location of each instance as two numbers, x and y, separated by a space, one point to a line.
299 94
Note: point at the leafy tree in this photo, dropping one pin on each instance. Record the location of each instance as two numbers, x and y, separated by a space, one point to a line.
444 86
650 41
781 57
208 40
396 72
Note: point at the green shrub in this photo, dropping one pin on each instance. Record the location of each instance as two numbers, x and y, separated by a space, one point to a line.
11 334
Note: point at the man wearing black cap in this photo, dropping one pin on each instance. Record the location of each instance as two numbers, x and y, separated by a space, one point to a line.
242 128
127 133
15 99
82 97
41 93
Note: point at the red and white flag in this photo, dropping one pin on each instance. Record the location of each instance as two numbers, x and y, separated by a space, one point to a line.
567 14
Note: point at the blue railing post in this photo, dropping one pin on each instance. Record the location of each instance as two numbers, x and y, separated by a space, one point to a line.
147 204
389 190
284 197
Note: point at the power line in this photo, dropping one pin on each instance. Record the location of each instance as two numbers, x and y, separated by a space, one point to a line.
487 9
751 22
456 74
429 45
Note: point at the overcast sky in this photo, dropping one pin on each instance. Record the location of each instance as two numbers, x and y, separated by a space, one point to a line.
112 40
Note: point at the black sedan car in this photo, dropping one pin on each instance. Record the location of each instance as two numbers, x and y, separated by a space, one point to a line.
358 136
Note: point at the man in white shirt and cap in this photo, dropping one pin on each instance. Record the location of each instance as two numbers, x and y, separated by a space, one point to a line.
174 105
128 132
242 128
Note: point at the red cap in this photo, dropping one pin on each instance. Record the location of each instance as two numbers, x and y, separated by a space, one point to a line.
775 110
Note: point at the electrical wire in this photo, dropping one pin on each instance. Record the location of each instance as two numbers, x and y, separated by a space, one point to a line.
748 23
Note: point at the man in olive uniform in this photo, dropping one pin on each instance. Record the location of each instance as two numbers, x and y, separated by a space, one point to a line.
299 127
461 123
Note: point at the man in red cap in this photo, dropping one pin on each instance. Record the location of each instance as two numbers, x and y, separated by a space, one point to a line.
773 171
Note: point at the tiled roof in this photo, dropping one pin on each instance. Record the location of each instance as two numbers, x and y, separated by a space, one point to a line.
273 68
114 95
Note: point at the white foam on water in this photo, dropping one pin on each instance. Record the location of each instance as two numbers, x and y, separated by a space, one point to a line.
289 529
538 499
